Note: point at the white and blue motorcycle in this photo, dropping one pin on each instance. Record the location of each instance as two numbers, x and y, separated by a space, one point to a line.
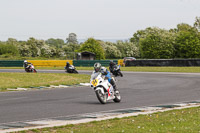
103 89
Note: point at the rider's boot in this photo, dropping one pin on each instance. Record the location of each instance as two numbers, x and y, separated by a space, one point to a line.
114 86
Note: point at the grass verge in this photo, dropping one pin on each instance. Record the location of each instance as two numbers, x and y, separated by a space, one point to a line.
134 69
175 121
14 80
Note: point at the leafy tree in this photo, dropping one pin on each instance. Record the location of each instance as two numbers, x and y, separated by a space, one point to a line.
71 47
110 50
35 46
8 49
187 43
24 50
157 44
12 41
92 45
197 23
58 43
69 50
47 51
139 34
128 49
72 38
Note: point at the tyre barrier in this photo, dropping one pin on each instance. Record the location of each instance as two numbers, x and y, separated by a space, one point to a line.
58 63
164 62
50 63
11 63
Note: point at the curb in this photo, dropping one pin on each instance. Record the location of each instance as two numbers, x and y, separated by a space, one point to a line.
45 87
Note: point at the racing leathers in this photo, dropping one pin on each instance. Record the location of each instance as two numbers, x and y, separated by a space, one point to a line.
27 65
105 72
67 66
112 64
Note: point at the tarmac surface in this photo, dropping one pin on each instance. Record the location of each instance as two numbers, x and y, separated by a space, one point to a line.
138 89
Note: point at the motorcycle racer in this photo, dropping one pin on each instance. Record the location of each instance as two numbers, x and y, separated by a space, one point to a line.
67 66
26 64
70 68
28 67
111 64
104 71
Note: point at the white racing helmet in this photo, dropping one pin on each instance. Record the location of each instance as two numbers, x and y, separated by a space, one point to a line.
97 67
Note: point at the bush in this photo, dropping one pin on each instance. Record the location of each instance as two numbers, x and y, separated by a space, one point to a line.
187 43
8 49
92 45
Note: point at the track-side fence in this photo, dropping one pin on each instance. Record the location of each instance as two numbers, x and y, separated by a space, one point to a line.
50 63
90 63
164 62
11 63
56 63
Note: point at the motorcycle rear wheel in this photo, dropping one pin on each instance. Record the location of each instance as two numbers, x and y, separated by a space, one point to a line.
101 97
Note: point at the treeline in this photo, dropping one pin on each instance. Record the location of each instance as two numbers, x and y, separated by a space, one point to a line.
150 43
29 48
51 48
156 43
58 48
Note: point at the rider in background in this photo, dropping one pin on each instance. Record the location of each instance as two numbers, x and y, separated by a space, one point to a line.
26 64
112 64
104 71
67 66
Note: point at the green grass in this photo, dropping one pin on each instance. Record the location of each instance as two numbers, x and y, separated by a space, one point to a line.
13 80
134 69
175 121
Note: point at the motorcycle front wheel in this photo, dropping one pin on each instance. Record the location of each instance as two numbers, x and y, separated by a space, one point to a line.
101 97
34 71
75 71
120 74
117 97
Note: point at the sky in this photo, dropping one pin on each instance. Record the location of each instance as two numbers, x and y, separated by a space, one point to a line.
100 19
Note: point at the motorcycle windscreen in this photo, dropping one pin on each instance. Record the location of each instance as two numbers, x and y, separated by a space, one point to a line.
94 75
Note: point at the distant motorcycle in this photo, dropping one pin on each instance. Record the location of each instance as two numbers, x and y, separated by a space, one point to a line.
103 89
71 69
116 71
30 68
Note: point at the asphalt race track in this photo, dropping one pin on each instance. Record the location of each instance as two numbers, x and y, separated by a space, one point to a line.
137 89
